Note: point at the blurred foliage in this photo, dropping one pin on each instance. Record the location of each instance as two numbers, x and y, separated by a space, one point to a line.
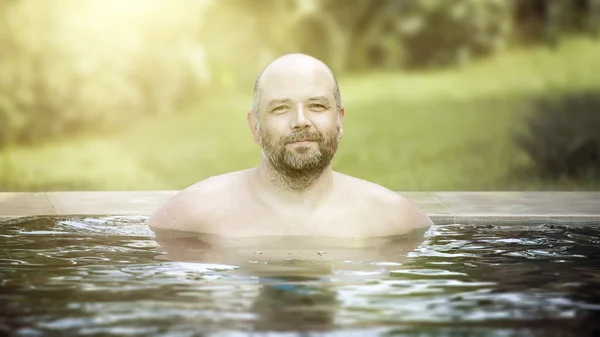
367 34
421 131
547 21
67 66
563 137
439 32
357 34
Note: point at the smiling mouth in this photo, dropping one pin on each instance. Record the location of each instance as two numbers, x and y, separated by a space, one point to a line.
302 141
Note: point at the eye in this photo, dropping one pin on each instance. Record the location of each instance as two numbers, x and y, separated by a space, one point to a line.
280 108
316 106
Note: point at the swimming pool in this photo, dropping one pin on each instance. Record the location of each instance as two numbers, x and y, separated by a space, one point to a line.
108 276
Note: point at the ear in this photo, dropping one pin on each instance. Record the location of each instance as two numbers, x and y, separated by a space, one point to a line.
253 123
342 114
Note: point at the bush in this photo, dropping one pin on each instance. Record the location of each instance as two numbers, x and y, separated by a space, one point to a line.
563 136
546 20
365 34
441 32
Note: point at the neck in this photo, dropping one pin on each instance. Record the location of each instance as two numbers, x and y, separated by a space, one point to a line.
299 187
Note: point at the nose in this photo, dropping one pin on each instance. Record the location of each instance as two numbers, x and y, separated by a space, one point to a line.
299 119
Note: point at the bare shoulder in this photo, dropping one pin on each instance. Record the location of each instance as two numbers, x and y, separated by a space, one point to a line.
394 213
194 207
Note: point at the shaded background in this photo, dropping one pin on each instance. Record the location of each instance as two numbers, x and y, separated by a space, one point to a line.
439 95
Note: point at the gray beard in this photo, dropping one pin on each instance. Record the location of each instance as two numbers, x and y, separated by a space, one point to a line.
298 168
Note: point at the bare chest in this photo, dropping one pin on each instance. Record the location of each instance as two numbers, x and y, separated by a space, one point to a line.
330 220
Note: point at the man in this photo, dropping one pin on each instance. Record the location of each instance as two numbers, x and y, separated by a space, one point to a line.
296 119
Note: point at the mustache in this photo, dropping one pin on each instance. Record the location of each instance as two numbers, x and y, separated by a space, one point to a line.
305 135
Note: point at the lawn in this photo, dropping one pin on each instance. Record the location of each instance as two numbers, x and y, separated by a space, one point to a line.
443 130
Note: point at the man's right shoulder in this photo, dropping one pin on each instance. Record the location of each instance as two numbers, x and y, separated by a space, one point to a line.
198 206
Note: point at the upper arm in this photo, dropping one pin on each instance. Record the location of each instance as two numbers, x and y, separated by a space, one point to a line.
402 215
415 217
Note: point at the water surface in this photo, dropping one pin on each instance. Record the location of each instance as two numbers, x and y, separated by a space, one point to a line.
112 276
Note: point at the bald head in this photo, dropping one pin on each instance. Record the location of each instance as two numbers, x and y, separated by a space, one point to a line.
289 67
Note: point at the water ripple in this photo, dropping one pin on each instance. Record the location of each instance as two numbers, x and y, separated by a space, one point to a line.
86 275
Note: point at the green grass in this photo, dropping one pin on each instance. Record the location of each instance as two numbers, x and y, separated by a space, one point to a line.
445 130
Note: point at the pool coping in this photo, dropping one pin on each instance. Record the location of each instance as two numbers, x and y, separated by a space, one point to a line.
442 207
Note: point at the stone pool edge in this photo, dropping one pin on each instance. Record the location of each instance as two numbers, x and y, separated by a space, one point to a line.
442 207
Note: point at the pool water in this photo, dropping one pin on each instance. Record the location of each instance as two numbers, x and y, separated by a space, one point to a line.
112 276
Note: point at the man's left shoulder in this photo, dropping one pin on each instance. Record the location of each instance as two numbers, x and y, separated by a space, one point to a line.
393 213
372 192
396 214
383 198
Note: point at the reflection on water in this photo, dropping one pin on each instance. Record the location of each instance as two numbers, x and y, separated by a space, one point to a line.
307 304
114 276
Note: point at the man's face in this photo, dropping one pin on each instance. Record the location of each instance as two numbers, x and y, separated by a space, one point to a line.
299 123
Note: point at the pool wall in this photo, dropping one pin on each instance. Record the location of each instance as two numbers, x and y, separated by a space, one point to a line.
442 207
